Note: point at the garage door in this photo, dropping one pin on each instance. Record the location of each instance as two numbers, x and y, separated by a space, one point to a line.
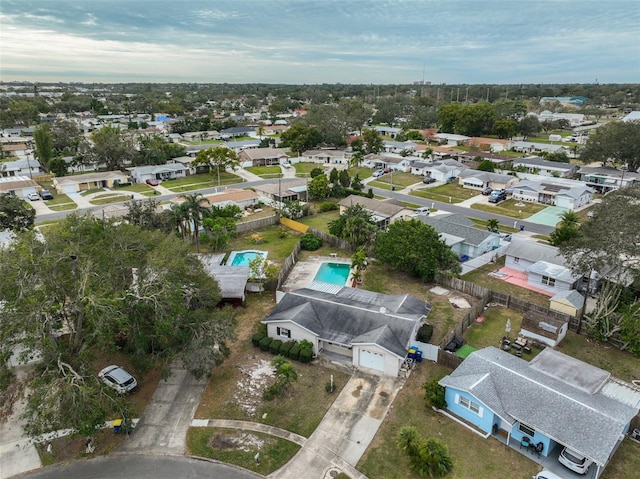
369 359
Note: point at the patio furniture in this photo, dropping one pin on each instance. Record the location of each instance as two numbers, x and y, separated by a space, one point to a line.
521 342
525 442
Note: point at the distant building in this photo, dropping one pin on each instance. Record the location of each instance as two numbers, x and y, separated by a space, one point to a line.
565 100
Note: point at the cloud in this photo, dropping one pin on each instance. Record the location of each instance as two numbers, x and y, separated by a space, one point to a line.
305 41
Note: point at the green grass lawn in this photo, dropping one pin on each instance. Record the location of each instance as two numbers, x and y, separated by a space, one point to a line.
214 443
273 171
91 191
269 239
509 208
448 193
58 199
481 276
305 167
137 188
320 221
400 179
362 171
107 199
63 207
202 180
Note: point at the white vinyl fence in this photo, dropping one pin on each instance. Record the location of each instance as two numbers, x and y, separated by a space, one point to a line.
476 263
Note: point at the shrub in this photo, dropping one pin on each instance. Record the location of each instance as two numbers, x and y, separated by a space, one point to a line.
424 333
273 391
304 344
256 338
310 242
284 349
306 355
330 387
294 352
327 206
274 347
265 343
434 394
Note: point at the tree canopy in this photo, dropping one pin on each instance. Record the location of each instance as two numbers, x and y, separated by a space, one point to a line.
218 157
416 248
617 143
355 225
15 213
95 286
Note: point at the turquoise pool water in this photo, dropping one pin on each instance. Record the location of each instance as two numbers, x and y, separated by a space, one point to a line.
334 273
242 258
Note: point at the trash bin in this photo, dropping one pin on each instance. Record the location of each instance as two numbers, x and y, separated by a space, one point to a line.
521 227
117 426
419 356
412 353
393 187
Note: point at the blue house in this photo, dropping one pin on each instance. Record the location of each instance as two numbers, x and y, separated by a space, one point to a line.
554 400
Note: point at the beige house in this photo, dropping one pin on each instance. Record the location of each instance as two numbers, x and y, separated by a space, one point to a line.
383 212
262 157
89 181
20 186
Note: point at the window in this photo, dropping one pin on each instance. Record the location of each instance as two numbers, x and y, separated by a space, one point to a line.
549 281
470 405
284 333
529 431
516 259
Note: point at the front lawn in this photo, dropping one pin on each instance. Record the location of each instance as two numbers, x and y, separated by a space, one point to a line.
273 171
362 171
400 179
137 188
109 198
240 448
200 181
304 168
511 207
448 193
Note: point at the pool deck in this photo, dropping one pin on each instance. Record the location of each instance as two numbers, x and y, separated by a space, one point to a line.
304 272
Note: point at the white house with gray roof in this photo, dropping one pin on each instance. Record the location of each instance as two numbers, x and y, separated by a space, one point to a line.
543 167
605 178
373 331
554 400
444 170
478 180
533 147
571 196
170 171
383 212
459 233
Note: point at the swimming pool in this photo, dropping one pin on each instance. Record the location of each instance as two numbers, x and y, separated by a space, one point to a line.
242 258
333 273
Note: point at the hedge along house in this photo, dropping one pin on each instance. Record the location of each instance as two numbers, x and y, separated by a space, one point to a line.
371 330
555 401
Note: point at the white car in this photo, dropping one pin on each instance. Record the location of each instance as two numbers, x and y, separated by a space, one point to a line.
378 173
286 164
117 378
574 461
423 211
33 196
546 475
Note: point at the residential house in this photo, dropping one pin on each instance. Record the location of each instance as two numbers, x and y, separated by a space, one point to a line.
604 178
325 157
238 131
262 157
231 279
372 331
240 145
169 171
460 234
242 198
530 147
19 150
23 167
493 145
475 157
16 132
202 136
571 196
452 139
89 181
399 146
568 302
377 161
276 129
543 167
478 180
190 167
438 152
543 266
543 328
282 190
387 130
444 170
19 186
383 212
554 400
632 116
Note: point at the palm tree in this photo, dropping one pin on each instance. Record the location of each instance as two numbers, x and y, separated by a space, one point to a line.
493 224
569 218
194 210
356 160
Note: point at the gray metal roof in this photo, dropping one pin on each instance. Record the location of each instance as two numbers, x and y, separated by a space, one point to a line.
231 279
589 423
532 251
353 316
573 297
539 162
552 270
453 226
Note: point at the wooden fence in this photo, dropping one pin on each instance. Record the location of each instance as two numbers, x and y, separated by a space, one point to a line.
288 264
252 225
333 240
448 360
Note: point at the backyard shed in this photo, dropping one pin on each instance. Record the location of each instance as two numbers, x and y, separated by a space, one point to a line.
542 328
567 302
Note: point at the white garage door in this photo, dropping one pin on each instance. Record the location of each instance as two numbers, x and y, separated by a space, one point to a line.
369 359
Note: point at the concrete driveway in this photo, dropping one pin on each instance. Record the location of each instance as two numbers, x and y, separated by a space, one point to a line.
162 429
346 431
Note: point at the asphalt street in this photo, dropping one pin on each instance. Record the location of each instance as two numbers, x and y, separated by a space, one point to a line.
142 467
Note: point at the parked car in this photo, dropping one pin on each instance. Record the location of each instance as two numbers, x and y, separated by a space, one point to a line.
152 182
378 173
117 378
427 180
574 461
546 475
487 191
497 196
387 170
423 211
33 196
46 195
286 164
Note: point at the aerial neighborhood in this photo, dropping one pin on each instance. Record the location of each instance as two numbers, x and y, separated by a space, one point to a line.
363 282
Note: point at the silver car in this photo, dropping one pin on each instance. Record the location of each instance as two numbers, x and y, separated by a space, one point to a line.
117 378
574 461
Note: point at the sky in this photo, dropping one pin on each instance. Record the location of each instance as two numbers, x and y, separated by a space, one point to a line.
321 41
